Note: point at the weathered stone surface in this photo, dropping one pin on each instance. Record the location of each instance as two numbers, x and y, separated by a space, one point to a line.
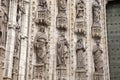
53 40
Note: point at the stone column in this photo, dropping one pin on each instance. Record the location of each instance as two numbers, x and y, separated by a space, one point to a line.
24 41
10 40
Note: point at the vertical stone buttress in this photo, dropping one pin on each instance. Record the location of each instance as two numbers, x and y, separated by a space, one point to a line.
10 39
24 41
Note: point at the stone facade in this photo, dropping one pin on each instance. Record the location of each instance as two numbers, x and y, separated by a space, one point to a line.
53 40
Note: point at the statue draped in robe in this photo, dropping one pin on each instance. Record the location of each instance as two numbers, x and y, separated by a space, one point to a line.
62 50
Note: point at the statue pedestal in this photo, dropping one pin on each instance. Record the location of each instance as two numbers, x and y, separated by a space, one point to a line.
98 76
7 78
61 73
39 72
81 74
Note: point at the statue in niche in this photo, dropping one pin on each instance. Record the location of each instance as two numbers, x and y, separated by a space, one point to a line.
62 50
80 49
97 54
62 5
40 45
96 12
80 9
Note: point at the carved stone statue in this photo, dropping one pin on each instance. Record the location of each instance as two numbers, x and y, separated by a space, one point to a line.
62 50
62 5
80 7
42 4
40 46
80 49
96 12
4 3
97 53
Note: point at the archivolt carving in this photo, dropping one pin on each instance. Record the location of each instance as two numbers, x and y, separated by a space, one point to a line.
62 50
